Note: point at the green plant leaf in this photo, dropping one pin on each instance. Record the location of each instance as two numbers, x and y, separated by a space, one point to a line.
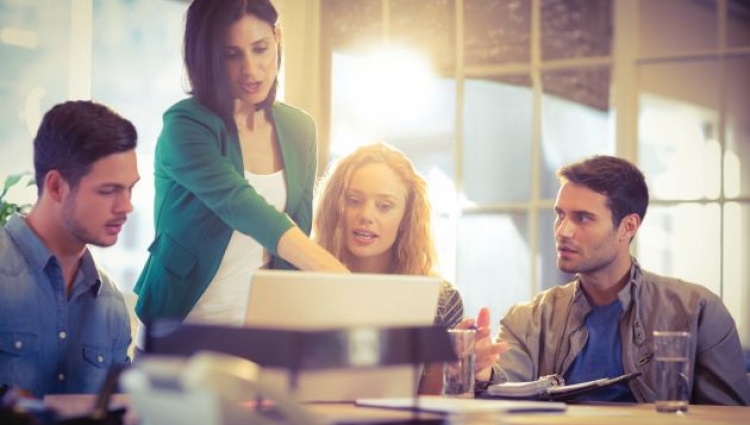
9 208
12 180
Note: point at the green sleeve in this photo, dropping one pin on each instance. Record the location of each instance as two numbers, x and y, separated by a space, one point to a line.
189 152
303 217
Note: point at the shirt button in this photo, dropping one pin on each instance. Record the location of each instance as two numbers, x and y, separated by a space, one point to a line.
100 359
61 377
63 335
18 345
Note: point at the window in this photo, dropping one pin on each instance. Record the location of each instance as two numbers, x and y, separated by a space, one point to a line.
140 79
37 73
694 145
528 85
125 54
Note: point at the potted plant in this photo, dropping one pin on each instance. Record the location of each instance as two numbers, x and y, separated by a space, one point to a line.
8 208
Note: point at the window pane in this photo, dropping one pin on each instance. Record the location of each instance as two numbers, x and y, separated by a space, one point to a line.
124 54
420 122
497 140
128 67
403 104
677 26
576 28
494 266
549 274
738 23
737 133
444 229
576 121
427 25
678 120
682 241
34 75
736 267
497 31
348 25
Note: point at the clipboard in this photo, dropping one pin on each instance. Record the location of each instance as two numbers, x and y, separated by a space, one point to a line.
551 388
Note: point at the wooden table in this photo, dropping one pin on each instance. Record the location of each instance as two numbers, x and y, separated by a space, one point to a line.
637 414
621 414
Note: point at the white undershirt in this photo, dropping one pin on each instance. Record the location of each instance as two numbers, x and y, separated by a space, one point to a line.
226 296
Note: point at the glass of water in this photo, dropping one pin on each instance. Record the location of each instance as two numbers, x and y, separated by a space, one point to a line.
672 353
458 376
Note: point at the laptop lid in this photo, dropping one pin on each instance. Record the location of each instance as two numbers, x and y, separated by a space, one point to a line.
312 300
315 301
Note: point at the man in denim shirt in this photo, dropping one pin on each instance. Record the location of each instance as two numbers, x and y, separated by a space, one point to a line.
63 323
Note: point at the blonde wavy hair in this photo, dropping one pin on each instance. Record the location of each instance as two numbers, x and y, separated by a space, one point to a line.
413 251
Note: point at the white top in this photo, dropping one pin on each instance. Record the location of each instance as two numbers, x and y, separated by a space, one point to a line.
226 296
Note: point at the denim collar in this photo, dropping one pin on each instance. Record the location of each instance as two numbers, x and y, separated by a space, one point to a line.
38 256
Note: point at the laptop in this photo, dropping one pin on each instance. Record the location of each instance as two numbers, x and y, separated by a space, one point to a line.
317 301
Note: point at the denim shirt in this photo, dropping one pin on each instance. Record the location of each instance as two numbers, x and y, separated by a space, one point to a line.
51 343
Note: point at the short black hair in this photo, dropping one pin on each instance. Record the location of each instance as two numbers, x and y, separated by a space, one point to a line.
206 27
619 180
75 134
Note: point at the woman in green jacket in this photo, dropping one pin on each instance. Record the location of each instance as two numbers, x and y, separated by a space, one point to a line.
234 172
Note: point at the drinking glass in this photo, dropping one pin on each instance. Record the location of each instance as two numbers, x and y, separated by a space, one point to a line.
672 353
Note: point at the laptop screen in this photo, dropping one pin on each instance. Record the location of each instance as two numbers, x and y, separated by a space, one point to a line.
314 301
309 300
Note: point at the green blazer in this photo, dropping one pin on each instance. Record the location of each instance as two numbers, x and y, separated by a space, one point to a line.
201 196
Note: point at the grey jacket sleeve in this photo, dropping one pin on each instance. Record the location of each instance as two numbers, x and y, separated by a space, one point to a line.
719 375
519 363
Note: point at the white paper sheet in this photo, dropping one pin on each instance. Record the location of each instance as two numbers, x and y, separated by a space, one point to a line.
462 405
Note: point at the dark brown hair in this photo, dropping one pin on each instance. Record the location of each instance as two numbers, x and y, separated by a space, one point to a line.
206 27
620 181
75 134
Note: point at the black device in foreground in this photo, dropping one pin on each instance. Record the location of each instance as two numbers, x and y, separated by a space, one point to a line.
300 351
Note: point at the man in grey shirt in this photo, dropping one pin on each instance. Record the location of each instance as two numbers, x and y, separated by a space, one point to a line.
601 324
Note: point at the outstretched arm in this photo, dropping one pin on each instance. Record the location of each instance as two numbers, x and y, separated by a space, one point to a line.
296 248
